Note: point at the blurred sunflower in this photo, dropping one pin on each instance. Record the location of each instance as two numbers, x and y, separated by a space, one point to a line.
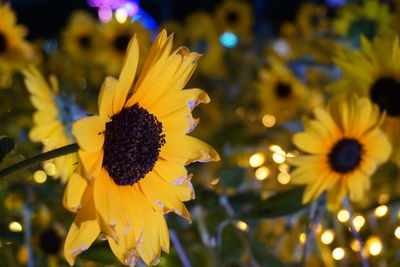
116 37
203 37
346 146
136 171
281 93
235 16
178 30
312 19
52 120
374 71
370 19
80 37
15 51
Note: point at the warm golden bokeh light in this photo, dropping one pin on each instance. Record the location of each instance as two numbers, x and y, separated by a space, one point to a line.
40 177
256 160
283 178
397 232
358 222
343 216
242 226
302 238
15 227
374 245
327 237
279 157
268 120
50 168
381 211
338 253
262 173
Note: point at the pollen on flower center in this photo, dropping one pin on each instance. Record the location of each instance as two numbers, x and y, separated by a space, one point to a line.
133 139
121 42
283 90
3 43
345 155
386 92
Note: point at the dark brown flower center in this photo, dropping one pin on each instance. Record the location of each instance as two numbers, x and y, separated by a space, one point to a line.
345 155
3 43
283 90
386 93
232 17
121 42
133 139
84 41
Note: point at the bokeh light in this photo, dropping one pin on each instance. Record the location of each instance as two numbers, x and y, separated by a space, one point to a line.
327 237
15 227
338 253
228 39
40 177
343 216
256 160
262 173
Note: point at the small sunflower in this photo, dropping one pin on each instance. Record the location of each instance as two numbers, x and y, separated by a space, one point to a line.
374 72
14 49
370 19
312 19
345 146
235 16
203 37
80 37
116 37
281 93
134 154
52 120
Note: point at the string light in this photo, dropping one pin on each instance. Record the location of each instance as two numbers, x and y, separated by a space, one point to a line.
50 168
381 211
15 227
228 39
355 245
284 168
121 15
302 238
374 245
268 120
343 216
256 160
105 14
383 199
242 226
338 253
397 232
40 177
327 237
279 157
358 222
283 178
262 173
275 148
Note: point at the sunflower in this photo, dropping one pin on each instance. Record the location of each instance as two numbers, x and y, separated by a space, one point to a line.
372 18
134 154
14 49
52 120
115 37
345 146
281 93
235 16
203 37
312 19
80 37
374 71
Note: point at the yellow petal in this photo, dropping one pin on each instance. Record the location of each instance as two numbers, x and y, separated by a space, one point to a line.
190 149
92 162
336 195
310 143
127 75
89 133
106 96
74 192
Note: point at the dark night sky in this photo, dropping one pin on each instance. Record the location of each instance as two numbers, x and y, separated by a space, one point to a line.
45 18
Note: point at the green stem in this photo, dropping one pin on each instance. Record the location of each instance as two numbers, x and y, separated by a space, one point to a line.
65 150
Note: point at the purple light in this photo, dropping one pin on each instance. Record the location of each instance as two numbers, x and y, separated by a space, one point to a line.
105 14
113 4
335 3
131 8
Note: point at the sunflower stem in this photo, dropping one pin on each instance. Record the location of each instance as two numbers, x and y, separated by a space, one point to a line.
355 233
179 249
65 150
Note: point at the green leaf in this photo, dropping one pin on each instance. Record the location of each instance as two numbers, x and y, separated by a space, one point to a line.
99 252
250 206
231 177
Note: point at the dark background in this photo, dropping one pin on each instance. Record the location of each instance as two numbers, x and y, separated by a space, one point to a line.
45 18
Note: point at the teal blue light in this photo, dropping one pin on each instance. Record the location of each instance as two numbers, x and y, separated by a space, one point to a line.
228 39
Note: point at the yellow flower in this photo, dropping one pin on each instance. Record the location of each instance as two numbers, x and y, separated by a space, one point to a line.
345 147
312 20
14 49
235 16
134 155
52 120
281 93
372 18
80 37
374 72
115 37
204 38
